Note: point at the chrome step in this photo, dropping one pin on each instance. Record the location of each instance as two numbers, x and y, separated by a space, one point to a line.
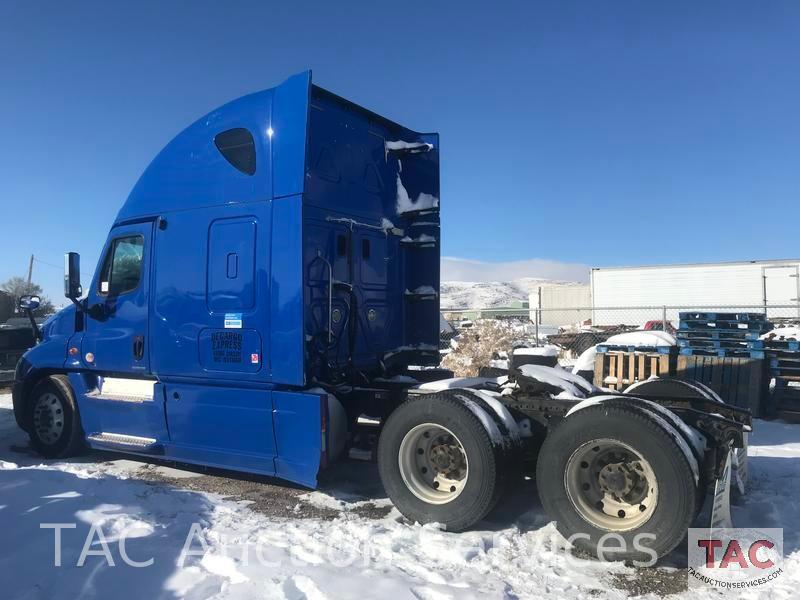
117 397
130 442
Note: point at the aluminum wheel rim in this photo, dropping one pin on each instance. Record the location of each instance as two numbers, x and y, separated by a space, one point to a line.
611 485
48 418
433 463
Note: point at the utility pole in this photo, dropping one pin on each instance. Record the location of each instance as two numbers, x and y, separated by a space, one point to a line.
30 274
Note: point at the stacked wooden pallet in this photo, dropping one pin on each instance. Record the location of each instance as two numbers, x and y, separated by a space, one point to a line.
784 357
738 381
783 362
618 366
728 335
724 351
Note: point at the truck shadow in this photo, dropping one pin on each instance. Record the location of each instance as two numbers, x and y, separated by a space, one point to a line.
518 506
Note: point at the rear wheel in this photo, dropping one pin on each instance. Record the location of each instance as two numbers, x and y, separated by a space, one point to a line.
438 463
611 485
617 469
433 463
55 430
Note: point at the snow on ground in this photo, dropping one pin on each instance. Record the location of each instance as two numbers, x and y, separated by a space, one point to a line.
326 544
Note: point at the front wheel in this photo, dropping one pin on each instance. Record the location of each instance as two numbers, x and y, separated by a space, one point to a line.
617 482
55 427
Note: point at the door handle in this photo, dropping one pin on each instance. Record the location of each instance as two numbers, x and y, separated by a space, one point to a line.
138 347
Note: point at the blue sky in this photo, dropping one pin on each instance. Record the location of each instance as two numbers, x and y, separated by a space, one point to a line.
589 133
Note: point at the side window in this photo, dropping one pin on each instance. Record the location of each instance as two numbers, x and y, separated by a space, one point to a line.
238 148
122 268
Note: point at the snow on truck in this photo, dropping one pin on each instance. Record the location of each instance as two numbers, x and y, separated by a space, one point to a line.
267 300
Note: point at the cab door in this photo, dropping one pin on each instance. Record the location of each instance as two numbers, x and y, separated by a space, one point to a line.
115 340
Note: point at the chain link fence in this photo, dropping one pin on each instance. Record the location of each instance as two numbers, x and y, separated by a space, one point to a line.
573 330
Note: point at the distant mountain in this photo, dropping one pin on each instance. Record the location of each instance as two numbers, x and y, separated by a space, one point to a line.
490 294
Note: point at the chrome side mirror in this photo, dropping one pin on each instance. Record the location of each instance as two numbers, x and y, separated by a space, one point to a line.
29 302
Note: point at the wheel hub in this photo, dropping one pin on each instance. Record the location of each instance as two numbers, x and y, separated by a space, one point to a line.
433 463
48 418
617 479
447 459
611 485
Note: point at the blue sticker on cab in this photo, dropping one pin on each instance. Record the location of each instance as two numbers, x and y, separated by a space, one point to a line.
233 321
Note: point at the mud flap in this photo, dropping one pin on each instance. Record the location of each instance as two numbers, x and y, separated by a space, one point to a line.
737 478
739 473
720 517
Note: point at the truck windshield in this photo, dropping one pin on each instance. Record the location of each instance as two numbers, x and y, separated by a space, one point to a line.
122 268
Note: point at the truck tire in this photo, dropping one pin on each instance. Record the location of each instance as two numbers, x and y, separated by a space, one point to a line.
617 469
55 425
438 463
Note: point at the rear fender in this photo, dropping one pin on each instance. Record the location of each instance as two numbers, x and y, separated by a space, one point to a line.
494 416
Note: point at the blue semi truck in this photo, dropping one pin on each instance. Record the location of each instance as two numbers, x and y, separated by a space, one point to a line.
267 301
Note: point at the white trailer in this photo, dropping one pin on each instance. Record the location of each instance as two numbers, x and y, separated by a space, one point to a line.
739 285
561 304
